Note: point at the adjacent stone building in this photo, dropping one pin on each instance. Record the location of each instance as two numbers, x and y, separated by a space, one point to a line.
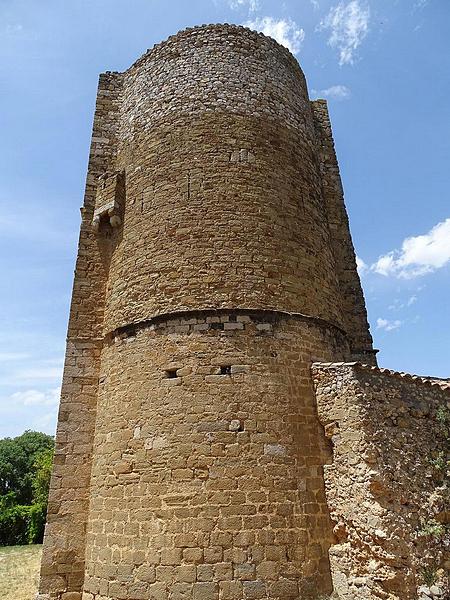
219 437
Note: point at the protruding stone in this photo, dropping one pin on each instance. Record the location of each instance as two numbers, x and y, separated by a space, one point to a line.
274 449
235 425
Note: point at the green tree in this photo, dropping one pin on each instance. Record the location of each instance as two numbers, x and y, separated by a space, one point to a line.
17 459
40 484
14 521
25 469
41 478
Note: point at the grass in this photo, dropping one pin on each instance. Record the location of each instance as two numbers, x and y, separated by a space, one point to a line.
19 572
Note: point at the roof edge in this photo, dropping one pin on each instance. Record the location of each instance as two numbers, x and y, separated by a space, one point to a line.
443 384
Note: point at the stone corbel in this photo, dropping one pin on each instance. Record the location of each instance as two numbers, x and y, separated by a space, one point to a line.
109 200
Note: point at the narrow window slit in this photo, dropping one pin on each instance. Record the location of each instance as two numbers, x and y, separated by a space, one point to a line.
225 370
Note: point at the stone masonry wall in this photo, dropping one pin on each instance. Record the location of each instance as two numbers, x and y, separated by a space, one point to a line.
224 204
385 485
62 569
207 477
354 308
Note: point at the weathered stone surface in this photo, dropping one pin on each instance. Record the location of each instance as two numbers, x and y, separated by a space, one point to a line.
215 264
382 488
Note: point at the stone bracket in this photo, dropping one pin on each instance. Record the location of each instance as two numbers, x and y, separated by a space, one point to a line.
109 200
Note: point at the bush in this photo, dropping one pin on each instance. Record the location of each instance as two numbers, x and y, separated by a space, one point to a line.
25 468
36 525
14 523
17 463
21 524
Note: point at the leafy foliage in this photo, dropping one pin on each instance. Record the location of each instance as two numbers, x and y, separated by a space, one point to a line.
25 469
443 418
42 473
433 528
40 485
429 575
14 521
36 523
17 458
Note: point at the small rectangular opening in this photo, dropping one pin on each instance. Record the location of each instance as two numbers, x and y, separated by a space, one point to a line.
171 374
225 370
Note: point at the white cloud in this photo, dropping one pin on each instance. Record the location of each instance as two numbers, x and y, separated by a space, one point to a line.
419 255
388 325
285 31
46 422
24 370
398 305
348 24
336 92
361 266
37 398
411 300
251 5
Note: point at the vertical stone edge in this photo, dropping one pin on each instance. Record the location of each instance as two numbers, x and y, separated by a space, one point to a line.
354 307
62 568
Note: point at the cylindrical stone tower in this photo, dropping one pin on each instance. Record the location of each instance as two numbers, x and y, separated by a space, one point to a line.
215 265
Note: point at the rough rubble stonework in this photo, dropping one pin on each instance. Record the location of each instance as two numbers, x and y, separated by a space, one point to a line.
386 432
215 265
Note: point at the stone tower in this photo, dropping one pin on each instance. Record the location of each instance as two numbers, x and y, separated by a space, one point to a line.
215 265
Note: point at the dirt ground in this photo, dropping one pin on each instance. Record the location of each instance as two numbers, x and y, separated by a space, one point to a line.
19 572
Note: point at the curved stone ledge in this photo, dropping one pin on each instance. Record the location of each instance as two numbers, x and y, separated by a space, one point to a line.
219 319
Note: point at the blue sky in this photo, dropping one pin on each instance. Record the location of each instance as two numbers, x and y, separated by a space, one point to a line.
384 67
